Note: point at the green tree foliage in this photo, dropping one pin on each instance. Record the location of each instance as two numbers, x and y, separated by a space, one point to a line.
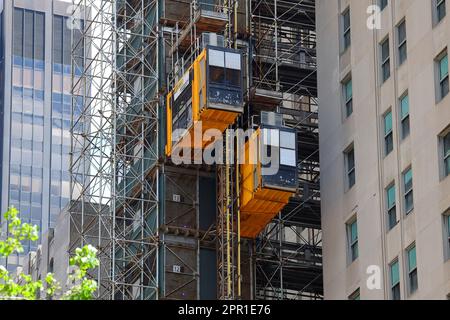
22 286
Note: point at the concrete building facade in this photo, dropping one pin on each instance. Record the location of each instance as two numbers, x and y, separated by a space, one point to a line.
384 147
36 112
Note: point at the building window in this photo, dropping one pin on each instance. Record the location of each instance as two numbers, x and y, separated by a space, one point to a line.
383 4
439 10
408 190
395 280
404 116
346 38
352 235
443 77
391 206
446 154
412 269
348 97
402 47
385 60
350 167
355 295
447 234
388 133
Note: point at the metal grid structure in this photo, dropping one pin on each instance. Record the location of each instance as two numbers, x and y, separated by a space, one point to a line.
148 218
288 253
115 143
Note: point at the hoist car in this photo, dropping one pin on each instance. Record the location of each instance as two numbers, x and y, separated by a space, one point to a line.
210 94
270 180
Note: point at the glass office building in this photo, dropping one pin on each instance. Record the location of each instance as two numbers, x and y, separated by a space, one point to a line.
36 111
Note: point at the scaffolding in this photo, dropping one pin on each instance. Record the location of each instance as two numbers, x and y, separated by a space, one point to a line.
162 230
115 142
282 42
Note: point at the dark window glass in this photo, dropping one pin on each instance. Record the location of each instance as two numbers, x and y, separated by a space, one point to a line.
412 270
28 35
385 60
443 76
402 46
404 115
440 9
447 154
39 43
233 77
408 189
388 134
351 173
66 43
346 27
353 240
391 207
57 39
217 74
348 97
18 32
395 281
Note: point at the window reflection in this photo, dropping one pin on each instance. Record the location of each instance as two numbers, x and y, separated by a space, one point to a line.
17 76
39 80
28 78
57 82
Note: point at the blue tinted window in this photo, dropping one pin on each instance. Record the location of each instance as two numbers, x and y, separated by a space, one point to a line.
57 68
56 123
39 95
27 93
39 64
67 69
56 97
17 92
17 60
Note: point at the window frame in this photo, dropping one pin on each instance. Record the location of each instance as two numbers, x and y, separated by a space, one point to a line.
346 32
385 61
444 153
356 295
446 224
405 118
352 244
436 8
391 209
350 171
446 156
408 192
383 4
402 43
412 272
441 79
348 101
388 135
396 285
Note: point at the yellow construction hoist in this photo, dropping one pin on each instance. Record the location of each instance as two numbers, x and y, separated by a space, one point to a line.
209 95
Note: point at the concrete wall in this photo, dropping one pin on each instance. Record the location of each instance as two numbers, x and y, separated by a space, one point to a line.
374 172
